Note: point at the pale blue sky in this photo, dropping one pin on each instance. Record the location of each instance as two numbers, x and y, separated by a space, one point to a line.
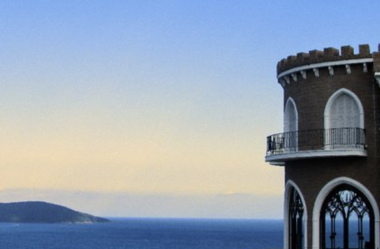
164 104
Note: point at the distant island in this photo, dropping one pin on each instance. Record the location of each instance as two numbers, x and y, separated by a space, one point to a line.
43 212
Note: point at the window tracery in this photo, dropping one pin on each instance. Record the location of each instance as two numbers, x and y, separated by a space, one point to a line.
346 220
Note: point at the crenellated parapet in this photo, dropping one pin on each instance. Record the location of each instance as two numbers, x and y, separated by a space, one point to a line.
293 67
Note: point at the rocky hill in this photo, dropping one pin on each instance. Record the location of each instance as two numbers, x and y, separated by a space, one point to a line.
42 212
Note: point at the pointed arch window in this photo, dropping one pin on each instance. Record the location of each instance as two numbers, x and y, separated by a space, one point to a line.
347 220
344 112
290 125
296 221
344 121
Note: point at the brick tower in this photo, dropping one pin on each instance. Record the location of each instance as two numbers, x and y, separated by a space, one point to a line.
330 148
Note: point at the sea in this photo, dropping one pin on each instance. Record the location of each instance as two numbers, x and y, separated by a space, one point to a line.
146 233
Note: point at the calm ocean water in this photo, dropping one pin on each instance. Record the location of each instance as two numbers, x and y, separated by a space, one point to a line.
146 234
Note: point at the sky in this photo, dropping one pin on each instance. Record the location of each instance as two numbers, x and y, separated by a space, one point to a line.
155 108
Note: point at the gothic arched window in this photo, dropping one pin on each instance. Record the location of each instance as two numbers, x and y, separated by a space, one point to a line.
344 121
344 112
290 125
347 220
296 216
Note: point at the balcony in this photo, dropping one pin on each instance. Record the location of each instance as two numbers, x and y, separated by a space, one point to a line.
335 142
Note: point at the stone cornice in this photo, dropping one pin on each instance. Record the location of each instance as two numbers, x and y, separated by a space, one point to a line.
284 76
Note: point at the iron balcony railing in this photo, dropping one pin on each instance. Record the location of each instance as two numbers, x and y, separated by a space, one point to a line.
323 139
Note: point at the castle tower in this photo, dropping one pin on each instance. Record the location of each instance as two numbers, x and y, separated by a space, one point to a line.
330 148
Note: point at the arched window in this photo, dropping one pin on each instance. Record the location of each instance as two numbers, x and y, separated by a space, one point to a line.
295 222
344 121
346 219
344 112
291 116
290 125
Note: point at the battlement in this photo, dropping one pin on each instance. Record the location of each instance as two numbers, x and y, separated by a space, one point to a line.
327 55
